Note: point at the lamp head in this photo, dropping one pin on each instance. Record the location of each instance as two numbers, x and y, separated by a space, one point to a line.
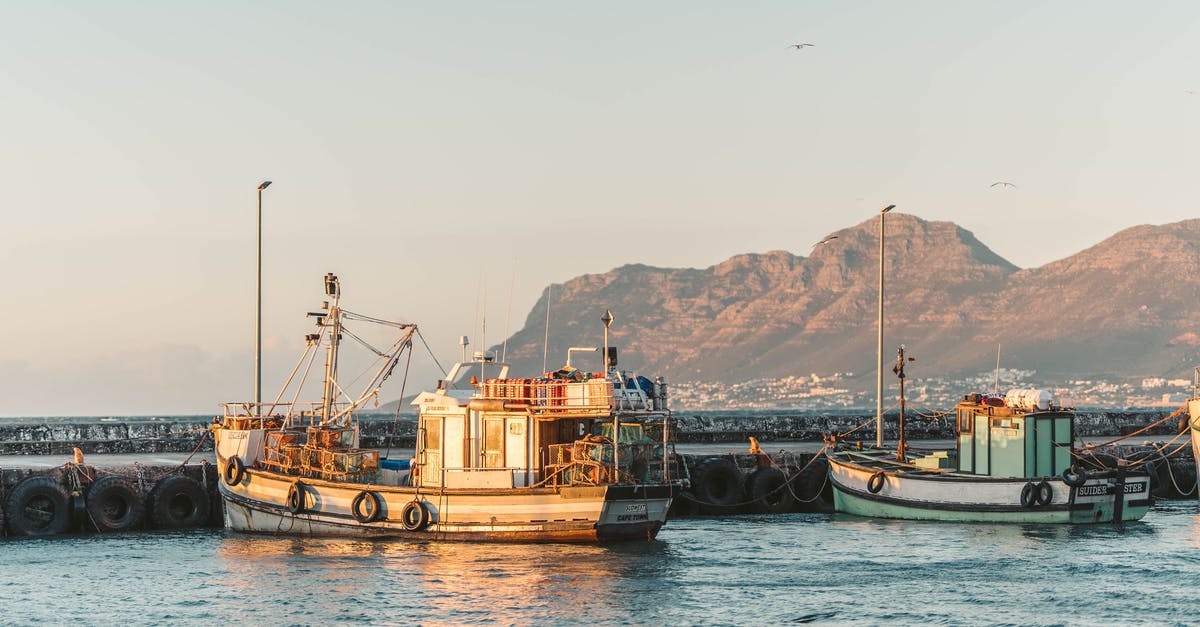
887 208
264 185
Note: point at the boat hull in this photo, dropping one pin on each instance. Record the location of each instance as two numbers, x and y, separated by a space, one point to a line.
260 504
1194 429
965 498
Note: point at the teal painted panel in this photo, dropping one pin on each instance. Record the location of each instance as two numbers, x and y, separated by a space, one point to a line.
981 445
966 452
1007 450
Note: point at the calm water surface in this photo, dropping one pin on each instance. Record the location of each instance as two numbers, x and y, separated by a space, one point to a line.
739 570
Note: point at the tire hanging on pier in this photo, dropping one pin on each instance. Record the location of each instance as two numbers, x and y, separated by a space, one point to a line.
811 487
38 506
177 502
769 491
717 485
114 504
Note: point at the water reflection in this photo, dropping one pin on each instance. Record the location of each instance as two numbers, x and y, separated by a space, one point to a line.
441 581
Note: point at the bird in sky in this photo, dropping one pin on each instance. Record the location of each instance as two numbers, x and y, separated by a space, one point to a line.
827 239
1003 184
799 46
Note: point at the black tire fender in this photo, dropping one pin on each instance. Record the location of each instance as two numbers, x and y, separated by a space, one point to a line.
1074 477
296 497
1029 495
875 483
373 506
235 471
717 485
38 506
769 491
114 504
1045 493
178 502
414 516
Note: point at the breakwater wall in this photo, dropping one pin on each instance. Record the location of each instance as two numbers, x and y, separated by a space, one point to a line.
807 427
188 434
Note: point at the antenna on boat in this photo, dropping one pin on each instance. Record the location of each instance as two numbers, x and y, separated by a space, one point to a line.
546 338
996 387
464 342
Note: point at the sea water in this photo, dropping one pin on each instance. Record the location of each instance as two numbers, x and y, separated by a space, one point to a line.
736 570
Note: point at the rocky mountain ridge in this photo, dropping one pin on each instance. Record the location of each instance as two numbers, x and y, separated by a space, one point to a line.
1126 307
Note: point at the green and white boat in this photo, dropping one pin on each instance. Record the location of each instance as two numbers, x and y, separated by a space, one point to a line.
1012 463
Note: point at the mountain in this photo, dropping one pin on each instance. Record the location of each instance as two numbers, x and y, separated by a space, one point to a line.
1125 307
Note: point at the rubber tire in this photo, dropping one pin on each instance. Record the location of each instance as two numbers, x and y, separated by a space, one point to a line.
414 516
1029 495
114 504
811 487
1045 494
368 516
235 471
876 487
296 497
769 492
717 485
178 502
51 507
1074 477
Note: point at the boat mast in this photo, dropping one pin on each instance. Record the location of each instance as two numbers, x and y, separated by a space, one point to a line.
902 445
334 323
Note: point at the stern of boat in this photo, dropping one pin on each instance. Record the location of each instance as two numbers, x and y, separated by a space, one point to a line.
634 511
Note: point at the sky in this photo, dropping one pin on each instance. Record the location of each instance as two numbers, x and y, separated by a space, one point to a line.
450 160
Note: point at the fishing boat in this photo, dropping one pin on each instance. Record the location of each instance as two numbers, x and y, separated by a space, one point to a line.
1013 462
565 457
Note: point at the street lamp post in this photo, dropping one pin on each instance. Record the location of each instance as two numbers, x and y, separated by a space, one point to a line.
258 312
879 347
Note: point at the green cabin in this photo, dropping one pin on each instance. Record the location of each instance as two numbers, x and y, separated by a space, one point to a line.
1002 441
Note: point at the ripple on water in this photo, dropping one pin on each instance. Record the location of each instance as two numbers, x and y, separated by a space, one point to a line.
800 568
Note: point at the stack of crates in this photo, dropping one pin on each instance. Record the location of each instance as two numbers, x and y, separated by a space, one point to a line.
329 454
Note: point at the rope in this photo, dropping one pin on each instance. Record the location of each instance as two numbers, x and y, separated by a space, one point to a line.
1139 431
430 350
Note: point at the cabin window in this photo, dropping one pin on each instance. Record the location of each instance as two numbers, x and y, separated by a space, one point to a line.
433 435
966 421
493 443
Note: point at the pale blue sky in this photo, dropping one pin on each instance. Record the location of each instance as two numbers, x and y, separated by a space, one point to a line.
417 147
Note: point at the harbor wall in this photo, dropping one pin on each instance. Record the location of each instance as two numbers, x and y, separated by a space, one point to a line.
185 435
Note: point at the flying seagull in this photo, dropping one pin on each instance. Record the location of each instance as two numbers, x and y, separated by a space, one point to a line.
827 239
799 46
1002 184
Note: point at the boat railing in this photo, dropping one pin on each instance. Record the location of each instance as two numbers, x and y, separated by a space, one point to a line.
564 396
273 415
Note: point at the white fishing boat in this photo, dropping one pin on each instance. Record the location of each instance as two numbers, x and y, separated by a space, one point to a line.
1013 463
568 457
1193 422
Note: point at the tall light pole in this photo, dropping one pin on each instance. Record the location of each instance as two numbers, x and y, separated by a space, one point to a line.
879 347
258 313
